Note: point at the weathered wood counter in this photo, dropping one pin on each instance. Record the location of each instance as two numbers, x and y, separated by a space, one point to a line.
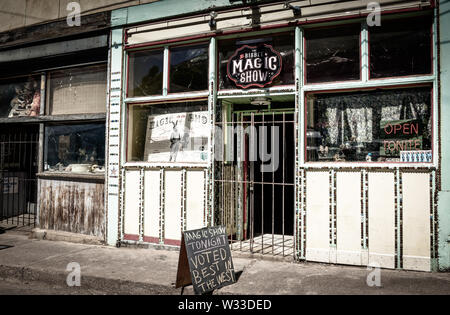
72 203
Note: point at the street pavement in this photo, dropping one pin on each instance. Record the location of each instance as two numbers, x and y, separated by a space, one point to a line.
40 267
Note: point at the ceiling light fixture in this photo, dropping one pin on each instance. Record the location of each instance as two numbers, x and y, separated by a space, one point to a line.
261 101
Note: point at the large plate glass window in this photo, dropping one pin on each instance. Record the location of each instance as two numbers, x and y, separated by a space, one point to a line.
168 132
401 48
20 97
188 68
145 76
77 90
78 148
333 54
392 125
270 46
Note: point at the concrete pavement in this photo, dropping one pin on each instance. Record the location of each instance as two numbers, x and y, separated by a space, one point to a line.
112 270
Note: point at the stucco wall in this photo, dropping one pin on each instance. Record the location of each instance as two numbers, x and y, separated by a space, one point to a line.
20 13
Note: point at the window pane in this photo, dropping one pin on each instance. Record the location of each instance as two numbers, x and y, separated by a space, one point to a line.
145 73
372 126
189 69
400 49
75 148
78 91
282 43
20 97
333 54
176 132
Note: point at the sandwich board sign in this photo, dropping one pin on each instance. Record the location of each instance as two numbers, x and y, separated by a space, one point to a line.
205 260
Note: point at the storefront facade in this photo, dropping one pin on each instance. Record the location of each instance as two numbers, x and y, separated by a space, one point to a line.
305 130
53 95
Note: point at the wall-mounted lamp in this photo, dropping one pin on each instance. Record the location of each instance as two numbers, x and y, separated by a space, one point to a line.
212 20
261 101
295 9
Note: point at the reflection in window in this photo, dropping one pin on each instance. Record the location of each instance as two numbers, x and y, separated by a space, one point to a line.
401 48
77 91
188 69
145 73
20 97
372 126
177 132
282 43
75 148
333 54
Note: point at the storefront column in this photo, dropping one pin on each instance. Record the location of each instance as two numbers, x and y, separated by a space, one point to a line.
300 116
113 143
444 194
211 107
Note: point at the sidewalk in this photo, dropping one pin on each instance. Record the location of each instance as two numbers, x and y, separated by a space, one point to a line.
152 271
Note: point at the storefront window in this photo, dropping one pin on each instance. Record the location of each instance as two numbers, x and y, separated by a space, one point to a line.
400 48
188 69
75 148
77 91
333 54
257 70
372 126
175 132
20 97
145 76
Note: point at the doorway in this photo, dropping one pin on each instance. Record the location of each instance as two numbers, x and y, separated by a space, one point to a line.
255 184
18 181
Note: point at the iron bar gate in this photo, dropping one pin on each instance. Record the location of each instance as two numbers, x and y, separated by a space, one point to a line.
254 191
18 182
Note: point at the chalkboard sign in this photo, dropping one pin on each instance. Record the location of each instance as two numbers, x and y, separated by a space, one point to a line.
205 260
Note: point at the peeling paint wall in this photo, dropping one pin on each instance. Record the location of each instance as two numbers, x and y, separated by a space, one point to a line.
70 206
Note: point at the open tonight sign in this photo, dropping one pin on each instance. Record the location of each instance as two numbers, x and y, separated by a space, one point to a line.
254 66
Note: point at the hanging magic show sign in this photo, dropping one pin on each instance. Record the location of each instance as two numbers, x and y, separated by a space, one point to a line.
254 66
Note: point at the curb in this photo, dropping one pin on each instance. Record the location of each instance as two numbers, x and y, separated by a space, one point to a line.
104 285
109 286
51 235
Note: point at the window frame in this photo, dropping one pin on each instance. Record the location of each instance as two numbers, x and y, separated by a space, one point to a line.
71 123
432 52
366 84
128 69
299 88
42 75
376 163
360 47
48 77
157 164
200 43
166 70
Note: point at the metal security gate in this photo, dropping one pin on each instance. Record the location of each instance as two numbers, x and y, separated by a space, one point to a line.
18 183
254 181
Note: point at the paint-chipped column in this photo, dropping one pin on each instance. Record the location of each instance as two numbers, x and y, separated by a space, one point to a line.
444 194
113 139
299 161
211 107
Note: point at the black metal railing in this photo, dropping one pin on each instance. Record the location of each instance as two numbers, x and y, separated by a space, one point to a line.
18 182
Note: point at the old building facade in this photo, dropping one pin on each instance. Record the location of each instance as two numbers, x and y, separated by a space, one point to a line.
310 129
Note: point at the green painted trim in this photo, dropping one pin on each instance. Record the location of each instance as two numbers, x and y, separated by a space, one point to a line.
164 9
